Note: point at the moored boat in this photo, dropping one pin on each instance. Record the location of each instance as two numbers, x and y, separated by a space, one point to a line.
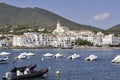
21 56
48 55
4 60
24 55
4 53
33 73
30 54
91 58
58 55
116 59
74 56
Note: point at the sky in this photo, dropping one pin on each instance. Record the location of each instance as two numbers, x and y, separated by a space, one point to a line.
98 13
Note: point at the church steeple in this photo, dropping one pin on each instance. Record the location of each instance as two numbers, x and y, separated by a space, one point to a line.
58 24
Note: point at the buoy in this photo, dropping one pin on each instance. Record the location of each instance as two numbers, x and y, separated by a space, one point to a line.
42 59
49 67
57 72
28 57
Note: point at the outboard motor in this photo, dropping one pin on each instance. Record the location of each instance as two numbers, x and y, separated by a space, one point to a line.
8 75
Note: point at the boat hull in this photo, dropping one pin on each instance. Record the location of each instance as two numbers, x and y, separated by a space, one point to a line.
30 75
3 61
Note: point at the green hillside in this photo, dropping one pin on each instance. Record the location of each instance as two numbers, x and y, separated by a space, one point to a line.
35 17
115 30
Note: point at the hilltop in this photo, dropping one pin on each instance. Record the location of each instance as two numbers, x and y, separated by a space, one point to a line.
114 30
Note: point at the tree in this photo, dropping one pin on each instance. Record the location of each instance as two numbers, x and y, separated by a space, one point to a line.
83 42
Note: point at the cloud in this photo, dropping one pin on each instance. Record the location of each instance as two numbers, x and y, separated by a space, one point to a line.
102 17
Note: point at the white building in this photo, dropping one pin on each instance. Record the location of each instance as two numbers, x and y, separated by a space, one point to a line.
32 38
19 40
0 43
62 36
60 29
110 40
98 39
86 35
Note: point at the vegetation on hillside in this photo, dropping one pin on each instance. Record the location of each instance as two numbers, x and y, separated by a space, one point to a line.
114 30
20 29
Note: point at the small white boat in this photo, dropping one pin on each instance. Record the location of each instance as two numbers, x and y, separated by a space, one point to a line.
91 58
116 59
23 53
74 56
48 55
30 54
4 53
4 60
21 56
58 55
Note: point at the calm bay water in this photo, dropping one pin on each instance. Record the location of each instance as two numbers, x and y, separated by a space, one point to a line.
78 69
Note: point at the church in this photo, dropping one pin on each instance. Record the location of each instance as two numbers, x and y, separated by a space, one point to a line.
60 29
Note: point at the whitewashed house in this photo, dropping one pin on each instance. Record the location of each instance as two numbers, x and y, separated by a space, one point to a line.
110 40
53 41
49 39
72 35
65 40
32 38
91 38
42 29
86 35
45 39
0 43
42 39
19 40
98 39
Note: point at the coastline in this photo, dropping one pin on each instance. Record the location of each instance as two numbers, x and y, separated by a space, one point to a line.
78 47
97 47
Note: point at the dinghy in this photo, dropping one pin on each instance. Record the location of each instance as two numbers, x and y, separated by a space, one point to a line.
33 73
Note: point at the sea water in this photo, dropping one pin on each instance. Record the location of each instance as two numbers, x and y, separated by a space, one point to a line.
78 69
